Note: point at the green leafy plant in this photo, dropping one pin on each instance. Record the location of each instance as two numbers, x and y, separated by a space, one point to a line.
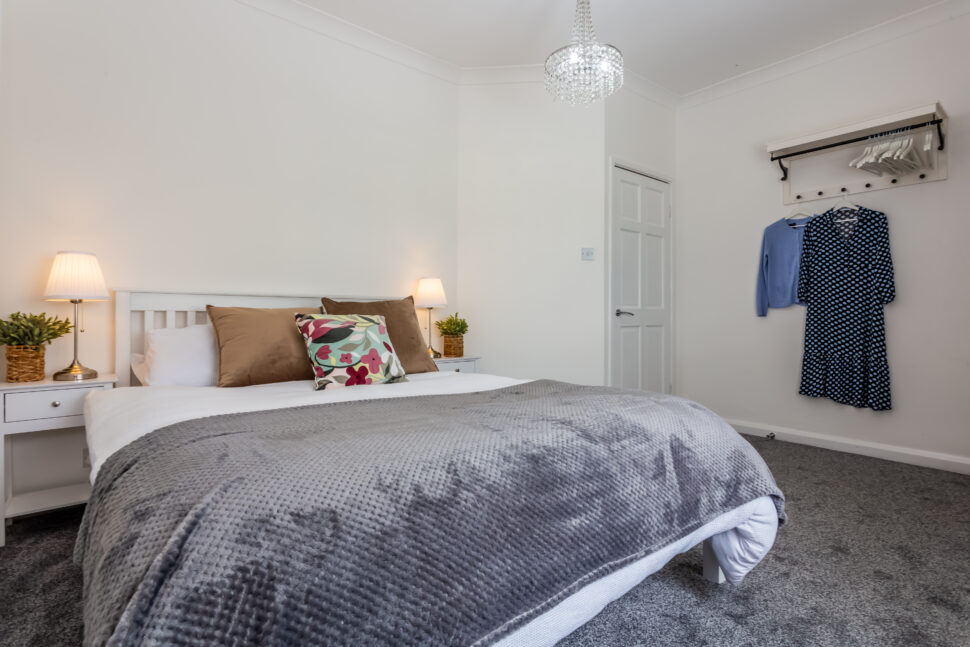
452 326
32 330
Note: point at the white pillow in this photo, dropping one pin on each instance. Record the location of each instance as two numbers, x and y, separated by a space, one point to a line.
139 368
178 357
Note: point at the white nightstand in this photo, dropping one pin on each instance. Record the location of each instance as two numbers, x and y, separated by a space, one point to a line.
39 406
457 364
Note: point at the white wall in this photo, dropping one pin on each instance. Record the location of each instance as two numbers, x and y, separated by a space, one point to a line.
747 368
212 146
531 194
640 130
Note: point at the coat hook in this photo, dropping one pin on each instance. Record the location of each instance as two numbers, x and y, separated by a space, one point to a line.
868 185
895 180
821 193
922 176
844 189
798 197
939 131
784 171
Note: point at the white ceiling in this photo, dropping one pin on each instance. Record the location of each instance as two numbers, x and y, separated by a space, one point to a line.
683 45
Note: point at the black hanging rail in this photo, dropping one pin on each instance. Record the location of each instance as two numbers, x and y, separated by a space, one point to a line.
855 140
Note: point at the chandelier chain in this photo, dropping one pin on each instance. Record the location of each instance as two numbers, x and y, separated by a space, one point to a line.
583 31
584 71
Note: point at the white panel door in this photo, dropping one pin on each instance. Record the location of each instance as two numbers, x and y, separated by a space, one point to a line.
640 283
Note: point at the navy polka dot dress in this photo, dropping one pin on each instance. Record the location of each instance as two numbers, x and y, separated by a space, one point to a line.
845 278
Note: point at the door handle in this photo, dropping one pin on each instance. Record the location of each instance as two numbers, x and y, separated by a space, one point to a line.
623 312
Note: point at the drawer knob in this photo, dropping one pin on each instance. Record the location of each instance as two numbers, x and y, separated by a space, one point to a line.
56 403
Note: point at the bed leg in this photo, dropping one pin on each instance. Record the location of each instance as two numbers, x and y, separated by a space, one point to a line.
712 570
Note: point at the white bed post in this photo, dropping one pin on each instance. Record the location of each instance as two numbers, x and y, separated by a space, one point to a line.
712 570
123 337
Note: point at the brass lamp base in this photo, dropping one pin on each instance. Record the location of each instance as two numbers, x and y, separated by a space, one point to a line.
431 351
75 373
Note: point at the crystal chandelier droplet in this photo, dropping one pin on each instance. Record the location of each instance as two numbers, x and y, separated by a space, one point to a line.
584 71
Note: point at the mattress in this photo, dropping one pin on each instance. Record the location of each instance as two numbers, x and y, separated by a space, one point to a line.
740 537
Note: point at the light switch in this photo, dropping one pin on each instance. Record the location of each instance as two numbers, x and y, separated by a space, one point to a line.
587 253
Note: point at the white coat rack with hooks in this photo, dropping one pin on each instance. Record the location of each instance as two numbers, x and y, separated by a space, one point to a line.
911 150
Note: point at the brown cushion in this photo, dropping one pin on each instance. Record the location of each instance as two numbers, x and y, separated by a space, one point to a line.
259 345
402 328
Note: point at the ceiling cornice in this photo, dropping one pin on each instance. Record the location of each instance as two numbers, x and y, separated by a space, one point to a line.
846 46
502 74
514 74
648 89
306 17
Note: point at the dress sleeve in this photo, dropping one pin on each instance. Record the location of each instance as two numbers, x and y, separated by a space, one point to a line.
882 264
761 294
805 266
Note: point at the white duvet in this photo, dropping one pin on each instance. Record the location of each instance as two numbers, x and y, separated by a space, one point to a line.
117 417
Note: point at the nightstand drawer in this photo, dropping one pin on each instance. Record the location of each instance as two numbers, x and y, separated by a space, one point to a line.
457 366
50 403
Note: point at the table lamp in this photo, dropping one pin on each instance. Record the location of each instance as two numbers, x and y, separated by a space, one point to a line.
76 277
430 294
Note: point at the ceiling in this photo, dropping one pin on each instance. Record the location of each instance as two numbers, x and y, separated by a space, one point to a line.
682 45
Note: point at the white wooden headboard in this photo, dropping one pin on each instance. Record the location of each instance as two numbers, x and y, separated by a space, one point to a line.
136 312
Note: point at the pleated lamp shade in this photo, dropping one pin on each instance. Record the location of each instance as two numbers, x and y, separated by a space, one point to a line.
430 294
76 275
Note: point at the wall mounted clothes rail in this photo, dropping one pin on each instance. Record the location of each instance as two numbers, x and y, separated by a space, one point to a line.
940 137
931 116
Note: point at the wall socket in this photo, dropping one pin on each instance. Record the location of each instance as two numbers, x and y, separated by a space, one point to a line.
587 253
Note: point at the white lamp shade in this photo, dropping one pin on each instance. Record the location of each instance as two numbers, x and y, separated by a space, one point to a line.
76 275
430 294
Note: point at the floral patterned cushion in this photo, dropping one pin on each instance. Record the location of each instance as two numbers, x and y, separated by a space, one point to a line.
346 350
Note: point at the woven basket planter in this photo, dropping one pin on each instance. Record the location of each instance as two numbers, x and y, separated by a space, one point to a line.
454 345
25 363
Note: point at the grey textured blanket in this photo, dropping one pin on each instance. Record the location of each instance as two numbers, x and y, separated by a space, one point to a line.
434 520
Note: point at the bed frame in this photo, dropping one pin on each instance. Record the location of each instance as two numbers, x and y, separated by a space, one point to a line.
137 312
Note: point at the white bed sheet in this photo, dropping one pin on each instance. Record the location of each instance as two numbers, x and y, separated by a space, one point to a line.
742 537
114 418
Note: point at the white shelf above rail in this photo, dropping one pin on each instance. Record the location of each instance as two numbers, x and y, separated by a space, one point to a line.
865 128
930 115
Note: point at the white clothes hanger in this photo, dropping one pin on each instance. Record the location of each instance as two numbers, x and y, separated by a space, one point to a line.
927 150
889 156
798 214
874 152
918 153
905 158
857 161
896 153
843 206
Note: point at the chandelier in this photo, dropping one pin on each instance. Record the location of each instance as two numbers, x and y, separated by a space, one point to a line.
584 71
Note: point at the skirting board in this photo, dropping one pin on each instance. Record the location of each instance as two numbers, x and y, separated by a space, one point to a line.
948 462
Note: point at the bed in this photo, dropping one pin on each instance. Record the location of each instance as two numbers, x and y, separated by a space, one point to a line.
449 509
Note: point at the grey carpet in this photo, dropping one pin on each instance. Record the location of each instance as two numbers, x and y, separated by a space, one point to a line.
876 553
40 588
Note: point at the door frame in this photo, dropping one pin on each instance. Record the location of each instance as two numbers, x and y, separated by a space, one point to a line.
639 169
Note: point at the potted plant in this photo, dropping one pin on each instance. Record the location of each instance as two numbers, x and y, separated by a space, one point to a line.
25 336
452 332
